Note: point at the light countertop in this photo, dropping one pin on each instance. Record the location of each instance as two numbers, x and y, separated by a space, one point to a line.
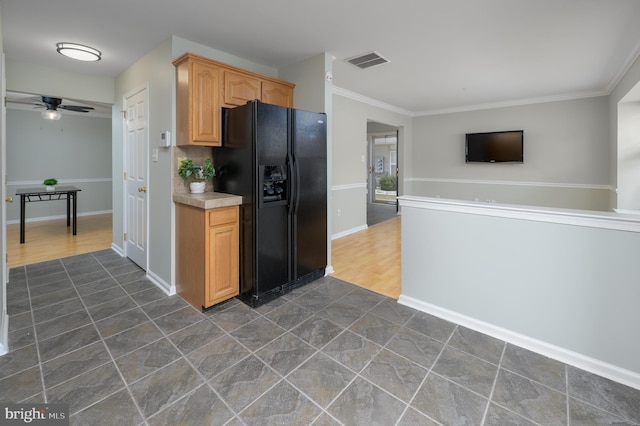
208 200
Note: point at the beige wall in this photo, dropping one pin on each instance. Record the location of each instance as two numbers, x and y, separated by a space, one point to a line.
566 155
349 160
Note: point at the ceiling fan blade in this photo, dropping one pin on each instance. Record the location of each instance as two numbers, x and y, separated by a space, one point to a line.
76 108
25 102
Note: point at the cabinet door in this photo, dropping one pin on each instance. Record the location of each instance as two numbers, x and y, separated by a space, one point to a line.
277 94
205 105
223 280
240 88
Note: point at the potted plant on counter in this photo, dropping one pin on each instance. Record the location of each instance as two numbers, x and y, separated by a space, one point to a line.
199 174
50 184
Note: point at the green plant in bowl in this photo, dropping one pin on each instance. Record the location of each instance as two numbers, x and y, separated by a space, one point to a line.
187 170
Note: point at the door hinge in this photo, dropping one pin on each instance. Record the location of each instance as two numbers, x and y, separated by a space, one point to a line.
124 114
125 236
125 175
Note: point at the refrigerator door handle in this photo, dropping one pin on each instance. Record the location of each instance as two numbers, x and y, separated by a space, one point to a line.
292 183
297 185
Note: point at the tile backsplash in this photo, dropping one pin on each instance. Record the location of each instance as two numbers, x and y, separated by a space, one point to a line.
197 154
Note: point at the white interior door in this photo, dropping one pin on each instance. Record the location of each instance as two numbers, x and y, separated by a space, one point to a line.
136 140
4 317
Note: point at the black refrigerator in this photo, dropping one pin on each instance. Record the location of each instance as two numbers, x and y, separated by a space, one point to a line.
276 159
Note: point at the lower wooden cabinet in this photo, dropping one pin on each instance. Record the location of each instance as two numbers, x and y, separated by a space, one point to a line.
207 250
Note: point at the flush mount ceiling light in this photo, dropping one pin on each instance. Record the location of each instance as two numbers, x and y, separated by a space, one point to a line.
78 51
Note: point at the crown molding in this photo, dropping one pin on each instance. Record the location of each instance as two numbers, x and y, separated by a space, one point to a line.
369 101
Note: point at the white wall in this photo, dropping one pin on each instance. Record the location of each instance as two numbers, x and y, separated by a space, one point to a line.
566 156
4 317
627 84
564 285
629 156
76 150
42 80
155 72
624 103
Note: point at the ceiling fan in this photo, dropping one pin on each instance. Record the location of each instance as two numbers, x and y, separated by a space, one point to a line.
55 103
52 105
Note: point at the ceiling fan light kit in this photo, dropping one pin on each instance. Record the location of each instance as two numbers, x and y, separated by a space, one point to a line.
51 114
78 51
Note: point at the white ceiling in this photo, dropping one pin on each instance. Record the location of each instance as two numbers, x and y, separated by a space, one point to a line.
445 55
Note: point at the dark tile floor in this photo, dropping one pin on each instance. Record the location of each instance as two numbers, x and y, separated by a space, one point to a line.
92 332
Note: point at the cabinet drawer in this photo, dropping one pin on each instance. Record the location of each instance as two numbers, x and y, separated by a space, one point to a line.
223 215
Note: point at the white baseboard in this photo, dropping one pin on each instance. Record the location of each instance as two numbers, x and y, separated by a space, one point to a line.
575 359
117 249
4 333
62 216
348 232
169 289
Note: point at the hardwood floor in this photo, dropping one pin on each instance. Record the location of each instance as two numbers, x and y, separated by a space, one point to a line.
370 258
52 239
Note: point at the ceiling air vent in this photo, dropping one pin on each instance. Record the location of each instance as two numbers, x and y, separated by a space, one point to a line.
367 60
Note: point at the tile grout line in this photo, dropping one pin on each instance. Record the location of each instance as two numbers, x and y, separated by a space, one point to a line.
164 336
430 371
285 378
493 386
356 373
35 337
184 357
566 387
104 344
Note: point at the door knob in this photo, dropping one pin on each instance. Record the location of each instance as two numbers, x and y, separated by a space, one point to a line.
142 189
9 199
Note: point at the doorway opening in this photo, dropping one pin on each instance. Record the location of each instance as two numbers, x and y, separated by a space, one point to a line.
382 199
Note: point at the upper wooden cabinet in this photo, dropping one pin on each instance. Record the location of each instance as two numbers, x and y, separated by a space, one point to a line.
204 86
240 88
198 113
277 94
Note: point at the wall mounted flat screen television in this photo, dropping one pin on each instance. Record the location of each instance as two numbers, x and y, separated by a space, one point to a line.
495 147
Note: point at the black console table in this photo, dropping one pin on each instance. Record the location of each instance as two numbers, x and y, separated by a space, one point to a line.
69 193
